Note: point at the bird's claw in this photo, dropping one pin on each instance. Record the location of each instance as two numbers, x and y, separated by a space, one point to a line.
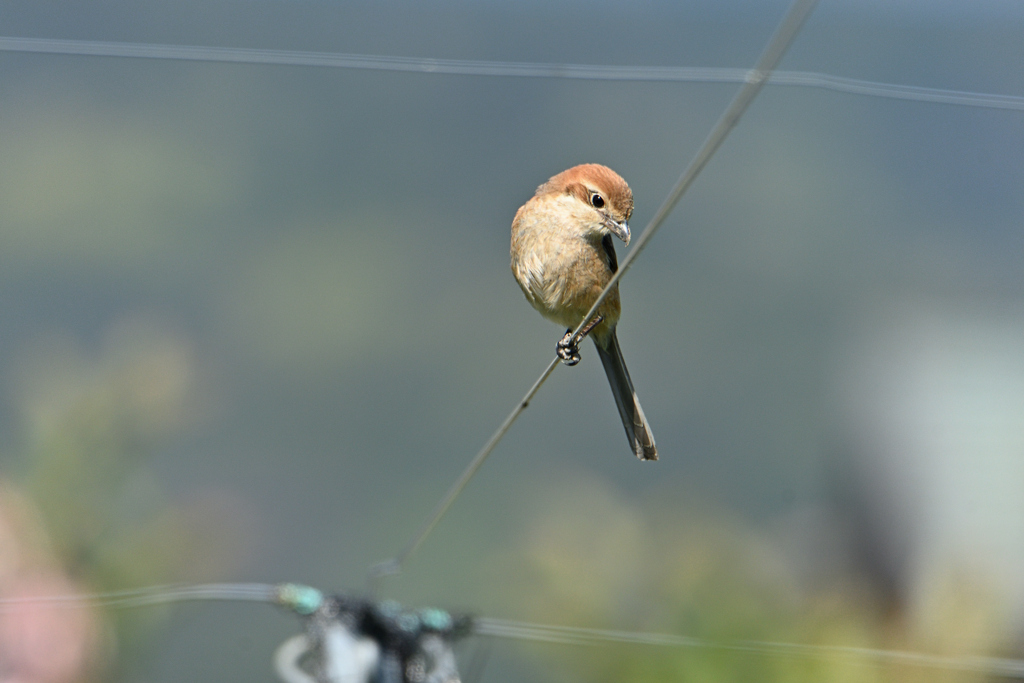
568 350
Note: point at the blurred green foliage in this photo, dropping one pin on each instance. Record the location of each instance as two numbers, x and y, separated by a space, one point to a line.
674 564
243 301
91 425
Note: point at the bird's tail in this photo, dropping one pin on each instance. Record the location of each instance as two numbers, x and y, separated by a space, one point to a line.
638 430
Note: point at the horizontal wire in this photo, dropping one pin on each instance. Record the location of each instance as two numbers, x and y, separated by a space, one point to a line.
497 627
463 67
546 633
154 595
567 635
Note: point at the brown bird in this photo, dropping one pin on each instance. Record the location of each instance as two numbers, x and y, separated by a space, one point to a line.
563 256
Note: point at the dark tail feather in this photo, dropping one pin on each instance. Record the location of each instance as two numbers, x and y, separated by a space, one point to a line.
638 430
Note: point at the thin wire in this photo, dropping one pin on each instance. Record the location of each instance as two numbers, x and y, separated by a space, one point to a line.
461 67
754 80
566 635
897 92
758 76
154 595
783 36
394 565
546 633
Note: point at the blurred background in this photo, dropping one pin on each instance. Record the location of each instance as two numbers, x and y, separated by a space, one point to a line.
256 319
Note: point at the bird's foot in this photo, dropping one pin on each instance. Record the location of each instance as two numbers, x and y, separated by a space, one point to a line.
568 349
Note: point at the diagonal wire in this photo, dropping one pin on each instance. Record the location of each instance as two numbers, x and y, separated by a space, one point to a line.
756 79
394 565
780 41
464 67
567 635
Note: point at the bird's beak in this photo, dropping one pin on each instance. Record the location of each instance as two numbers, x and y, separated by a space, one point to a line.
620 230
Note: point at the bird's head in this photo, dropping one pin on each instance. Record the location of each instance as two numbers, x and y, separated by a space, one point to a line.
606 195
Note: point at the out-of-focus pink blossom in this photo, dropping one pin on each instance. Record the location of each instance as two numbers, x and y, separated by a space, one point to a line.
48 632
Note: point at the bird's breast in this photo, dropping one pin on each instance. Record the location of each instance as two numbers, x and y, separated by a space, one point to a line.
560 270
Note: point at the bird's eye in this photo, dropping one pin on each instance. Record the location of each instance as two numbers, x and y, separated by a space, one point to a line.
596 200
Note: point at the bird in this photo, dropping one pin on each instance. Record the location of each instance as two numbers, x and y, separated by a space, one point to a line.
563 256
